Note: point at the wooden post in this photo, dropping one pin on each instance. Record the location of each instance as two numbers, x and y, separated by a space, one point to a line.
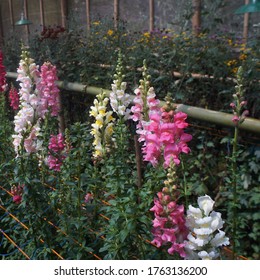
151 15
88 14
63 5
1 30
25 8
116 13
42 13
138 158
246 22
61 119
196 18
11 13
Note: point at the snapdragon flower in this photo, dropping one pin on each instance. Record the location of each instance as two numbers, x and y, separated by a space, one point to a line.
56 152
238 105
119 100
26 121
14 98
205 235
169 227
161 130
17 192
102 128
48 91
165 136
145 104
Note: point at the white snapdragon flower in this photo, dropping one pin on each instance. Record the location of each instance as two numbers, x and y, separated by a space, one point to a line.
206 204
216 222
204 255
119 100
203 241
220 239
26 122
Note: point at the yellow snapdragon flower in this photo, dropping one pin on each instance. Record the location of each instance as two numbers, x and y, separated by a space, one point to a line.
102 128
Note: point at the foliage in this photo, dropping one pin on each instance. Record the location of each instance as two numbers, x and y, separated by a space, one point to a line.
99 207
89 57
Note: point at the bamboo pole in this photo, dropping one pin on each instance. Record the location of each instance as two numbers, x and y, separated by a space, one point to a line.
42 13
116 13
13 243
196 18
88 14
63 6
25 8
11 12
151 15
138 160
1 31
215 117
246 23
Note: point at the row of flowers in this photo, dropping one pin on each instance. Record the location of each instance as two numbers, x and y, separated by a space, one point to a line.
161 133
198 234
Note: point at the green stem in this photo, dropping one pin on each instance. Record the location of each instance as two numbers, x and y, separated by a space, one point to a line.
185 189
234 190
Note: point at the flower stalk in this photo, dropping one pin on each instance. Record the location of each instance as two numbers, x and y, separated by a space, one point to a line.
239 116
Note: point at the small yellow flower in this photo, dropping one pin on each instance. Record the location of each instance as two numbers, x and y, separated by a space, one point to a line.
96 22
243 56
110 32
234 70
147 34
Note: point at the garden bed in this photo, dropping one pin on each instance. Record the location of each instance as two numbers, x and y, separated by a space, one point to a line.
132 181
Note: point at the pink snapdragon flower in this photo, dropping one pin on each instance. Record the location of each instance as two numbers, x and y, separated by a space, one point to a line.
166 138
145 104
56 152
17 193
137 109
88 197
169 223
161 130
14 98
32 144
48 91
3 84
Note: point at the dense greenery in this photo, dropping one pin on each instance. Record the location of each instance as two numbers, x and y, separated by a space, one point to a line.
54 221
90 58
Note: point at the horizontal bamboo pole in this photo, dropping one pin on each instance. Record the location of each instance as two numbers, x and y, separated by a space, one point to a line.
224 119
215 117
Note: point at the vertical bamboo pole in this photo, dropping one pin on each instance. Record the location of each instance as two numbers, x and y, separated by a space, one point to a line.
246 22
25 8
196 18
116 13
11 12
88 14
138 157
151 15
1 30
42 13
63 5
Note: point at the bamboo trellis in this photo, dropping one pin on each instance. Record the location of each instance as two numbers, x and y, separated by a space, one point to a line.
210 116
